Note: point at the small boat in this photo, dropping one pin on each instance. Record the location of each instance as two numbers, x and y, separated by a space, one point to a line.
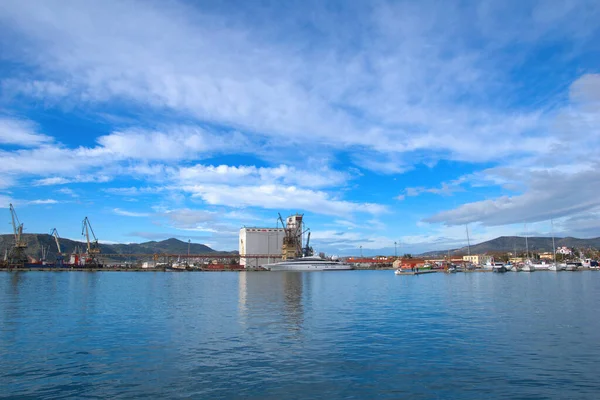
557 267
511 267
527 267
499 269
573 266
542 266
398 272
176 266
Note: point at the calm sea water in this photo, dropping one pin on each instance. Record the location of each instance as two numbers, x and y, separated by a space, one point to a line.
356 334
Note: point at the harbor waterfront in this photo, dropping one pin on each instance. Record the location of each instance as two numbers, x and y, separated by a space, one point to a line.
353 334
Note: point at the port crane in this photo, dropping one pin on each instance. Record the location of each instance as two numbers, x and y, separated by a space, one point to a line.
93 249
307 251
59 255
292 241
17 254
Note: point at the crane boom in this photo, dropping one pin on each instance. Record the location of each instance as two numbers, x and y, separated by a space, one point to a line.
92 246
84 228
56 238
281 219
15 223
17 228
17 253
307 250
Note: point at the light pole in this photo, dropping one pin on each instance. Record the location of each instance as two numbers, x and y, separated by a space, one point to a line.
395 250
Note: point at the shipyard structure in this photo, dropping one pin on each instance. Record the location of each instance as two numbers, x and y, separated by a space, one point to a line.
268 245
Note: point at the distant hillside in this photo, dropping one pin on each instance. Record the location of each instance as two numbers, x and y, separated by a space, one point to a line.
169 246
509 243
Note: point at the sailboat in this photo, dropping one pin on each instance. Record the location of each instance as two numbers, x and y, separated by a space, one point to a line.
528 265
555 266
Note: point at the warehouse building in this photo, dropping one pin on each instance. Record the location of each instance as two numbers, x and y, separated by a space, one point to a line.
266 242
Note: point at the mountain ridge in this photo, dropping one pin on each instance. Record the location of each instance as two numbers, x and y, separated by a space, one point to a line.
509 243
35 241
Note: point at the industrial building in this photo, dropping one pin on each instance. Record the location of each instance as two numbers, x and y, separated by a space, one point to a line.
267 245
266 242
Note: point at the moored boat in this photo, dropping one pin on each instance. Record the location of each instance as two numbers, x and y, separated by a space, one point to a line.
310 263
527 267
573 266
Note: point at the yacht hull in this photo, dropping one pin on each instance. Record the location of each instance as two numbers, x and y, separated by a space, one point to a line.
308 266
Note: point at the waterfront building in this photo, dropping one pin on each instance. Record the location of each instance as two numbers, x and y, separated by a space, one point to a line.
149 264
478 259
266 242
564 250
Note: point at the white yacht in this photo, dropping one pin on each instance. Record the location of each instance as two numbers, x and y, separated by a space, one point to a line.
310 263
557 267
541 266
527 267
573 266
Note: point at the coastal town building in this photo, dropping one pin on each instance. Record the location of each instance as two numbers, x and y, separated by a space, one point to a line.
478 259
563 250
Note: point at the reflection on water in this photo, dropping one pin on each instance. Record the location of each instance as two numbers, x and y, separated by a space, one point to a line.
354 334
280 292
292 286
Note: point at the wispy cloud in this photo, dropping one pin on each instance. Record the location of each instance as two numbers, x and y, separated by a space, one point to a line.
68 192
44 201
126 213
21 132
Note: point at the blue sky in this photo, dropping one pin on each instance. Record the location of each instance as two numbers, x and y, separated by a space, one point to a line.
382 121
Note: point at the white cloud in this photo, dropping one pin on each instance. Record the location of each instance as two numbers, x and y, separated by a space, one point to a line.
188 218
413 82
550 186
174 143
279 197
243 174
6 181
57 180
20 132
446 189
126 213
549 195
44 201
68 192
5 201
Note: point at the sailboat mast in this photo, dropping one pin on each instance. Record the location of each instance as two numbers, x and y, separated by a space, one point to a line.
526 244
553 245
468 241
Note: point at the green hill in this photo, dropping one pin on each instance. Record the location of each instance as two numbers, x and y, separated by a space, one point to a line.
36 241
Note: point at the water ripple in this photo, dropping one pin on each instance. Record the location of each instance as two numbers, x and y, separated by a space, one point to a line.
350 335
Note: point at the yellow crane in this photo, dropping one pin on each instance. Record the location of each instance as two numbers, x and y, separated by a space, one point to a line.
17 255
93 248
